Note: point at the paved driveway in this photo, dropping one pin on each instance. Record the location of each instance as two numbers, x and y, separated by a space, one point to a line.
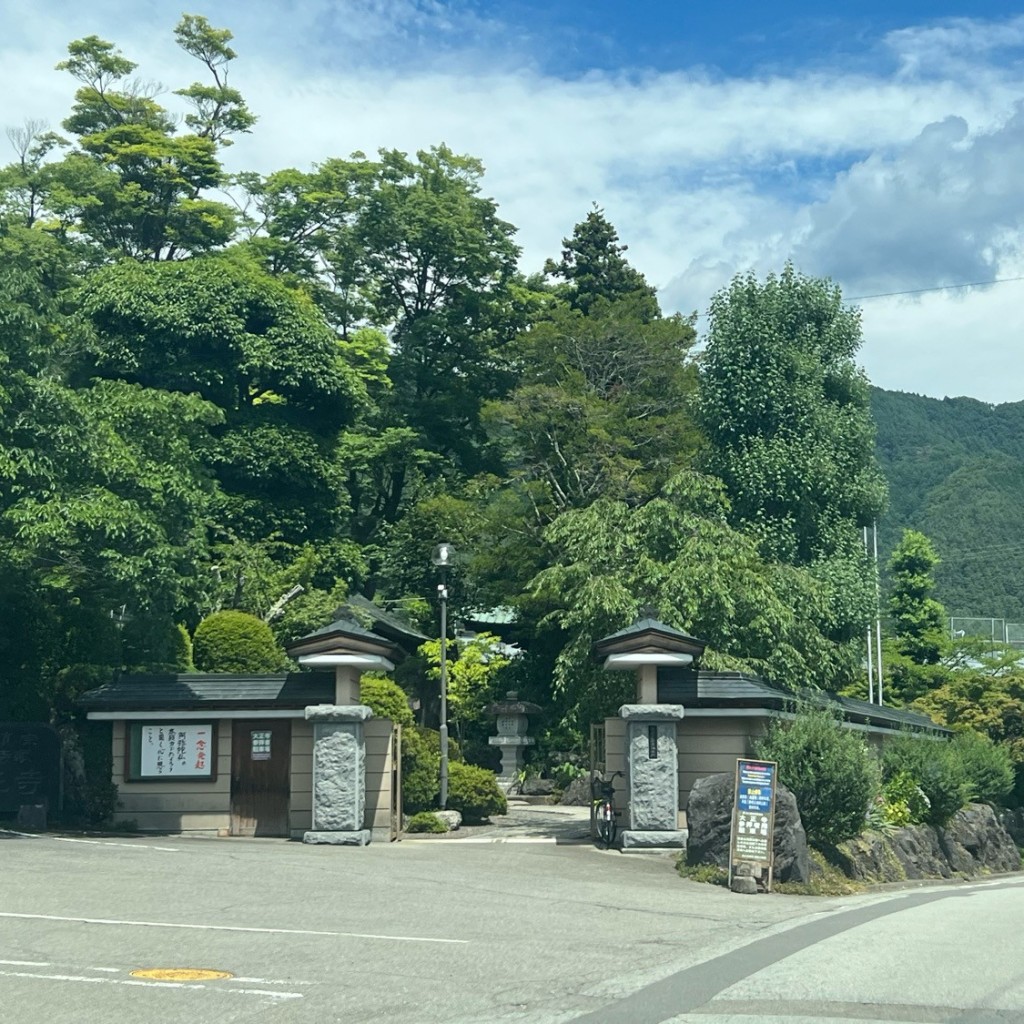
406 932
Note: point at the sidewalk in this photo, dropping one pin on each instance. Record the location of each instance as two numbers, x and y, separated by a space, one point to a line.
526 823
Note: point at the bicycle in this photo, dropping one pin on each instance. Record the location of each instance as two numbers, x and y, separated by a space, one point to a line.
604 808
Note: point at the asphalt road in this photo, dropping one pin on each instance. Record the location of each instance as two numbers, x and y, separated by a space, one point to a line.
424 932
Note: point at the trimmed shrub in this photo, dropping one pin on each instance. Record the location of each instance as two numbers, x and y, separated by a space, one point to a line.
426 821
830 770
387 699
936 767
421 768
181 644
987 766
232 641
475 792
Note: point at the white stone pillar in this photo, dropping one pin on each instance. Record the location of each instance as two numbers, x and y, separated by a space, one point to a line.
653 769
339 774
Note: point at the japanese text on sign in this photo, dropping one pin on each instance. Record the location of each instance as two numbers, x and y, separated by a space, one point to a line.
169 750
754 812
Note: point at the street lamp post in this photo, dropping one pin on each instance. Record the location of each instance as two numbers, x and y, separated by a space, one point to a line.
443 557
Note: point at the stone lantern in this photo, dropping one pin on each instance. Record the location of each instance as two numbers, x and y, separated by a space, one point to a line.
513 717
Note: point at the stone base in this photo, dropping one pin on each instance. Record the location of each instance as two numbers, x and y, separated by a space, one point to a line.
652 840
360 837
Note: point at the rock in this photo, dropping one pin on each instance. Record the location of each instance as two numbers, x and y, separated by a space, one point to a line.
453 819
1013 822
577 793
792 862
869 858
538 787
917 849
743 880
709 819
974 840
32 816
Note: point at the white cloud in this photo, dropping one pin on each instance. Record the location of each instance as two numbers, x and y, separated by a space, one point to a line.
886 180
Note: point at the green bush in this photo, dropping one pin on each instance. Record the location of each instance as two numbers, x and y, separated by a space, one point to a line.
905 802
426 821
474 791
830 770
181 644
387 699
231 641
936 767
421 767
988 767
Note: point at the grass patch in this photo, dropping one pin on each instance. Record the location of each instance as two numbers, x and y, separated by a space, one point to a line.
710 874
827 881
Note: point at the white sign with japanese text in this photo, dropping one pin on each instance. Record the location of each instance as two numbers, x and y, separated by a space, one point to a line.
171 749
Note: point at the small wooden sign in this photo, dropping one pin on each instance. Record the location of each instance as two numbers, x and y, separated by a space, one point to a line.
753 818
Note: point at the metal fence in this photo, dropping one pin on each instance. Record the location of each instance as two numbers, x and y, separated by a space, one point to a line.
996 631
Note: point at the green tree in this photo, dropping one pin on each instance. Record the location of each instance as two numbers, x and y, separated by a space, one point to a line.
913 655
786 413
603 407
918 620
473 669
593 267
135 186
678 553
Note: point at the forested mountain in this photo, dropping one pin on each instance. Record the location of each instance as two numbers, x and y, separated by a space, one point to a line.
955 469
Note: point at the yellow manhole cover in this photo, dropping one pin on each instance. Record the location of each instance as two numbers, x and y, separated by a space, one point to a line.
180 974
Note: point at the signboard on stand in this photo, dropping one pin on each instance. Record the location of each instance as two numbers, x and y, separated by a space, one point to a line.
753 818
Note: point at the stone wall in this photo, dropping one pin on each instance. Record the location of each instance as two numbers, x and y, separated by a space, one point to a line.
973 842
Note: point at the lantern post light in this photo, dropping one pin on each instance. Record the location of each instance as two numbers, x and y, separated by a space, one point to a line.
444 555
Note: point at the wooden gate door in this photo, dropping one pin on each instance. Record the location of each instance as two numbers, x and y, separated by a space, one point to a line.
260 777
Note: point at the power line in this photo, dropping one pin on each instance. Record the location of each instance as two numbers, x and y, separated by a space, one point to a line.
937 288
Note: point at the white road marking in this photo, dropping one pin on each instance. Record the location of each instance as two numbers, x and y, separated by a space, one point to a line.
509 839
25 963
151 984
89 842
233 928
108 970
268 981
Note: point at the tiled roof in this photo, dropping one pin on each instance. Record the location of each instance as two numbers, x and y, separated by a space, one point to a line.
159 692
705 689
644 626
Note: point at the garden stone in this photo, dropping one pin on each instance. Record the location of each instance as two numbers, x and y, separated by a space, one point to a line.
537 787
709 819
453 819
577 793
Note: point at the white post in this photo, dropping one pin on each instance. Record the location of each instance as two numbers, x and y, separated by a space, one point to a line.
878 613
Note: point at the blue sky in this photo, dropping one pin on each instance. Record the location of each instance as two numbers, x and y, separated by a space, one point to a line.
879 145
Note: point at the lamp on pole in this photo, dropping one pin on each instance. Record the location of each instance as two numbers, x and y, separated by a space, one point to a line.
443 558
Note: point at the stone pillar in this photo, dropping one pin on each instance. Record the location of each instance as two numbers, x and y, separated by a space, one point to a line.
339 774
653 770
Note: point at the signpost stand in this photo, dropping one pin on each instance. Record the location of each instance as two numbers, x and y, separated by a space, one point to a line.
753 821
